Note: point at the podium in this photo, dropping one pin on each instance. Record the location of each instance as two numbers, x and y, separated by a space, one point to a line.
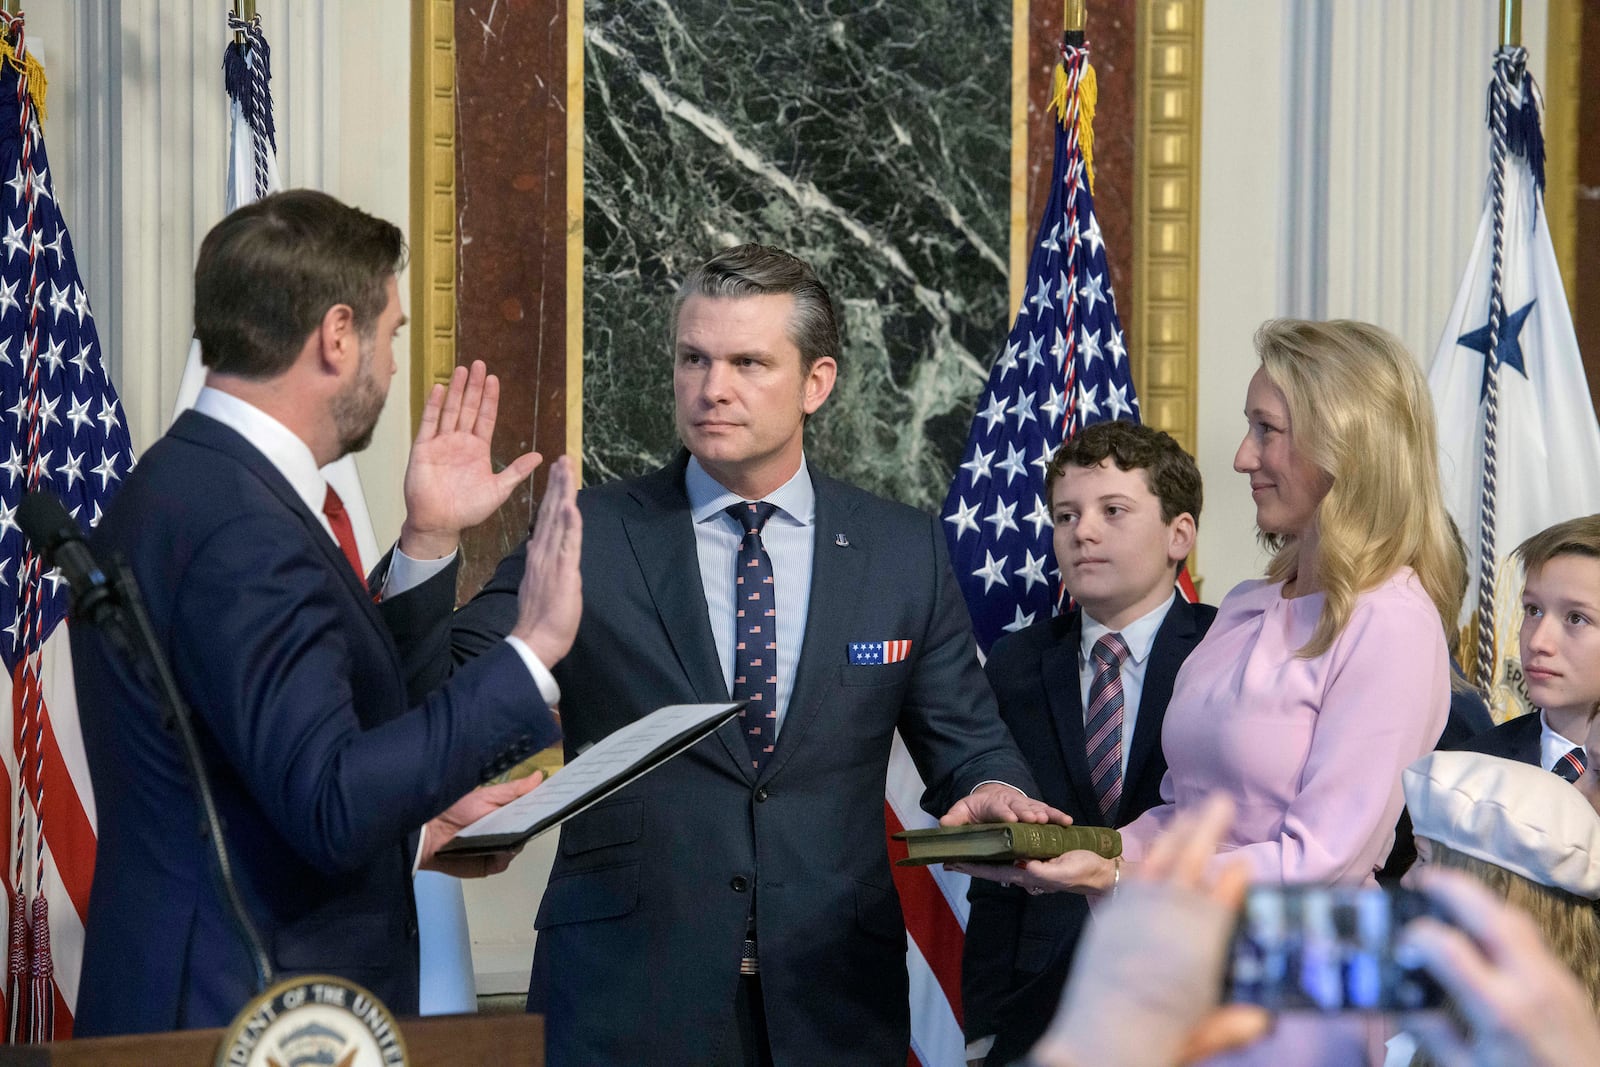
514 1039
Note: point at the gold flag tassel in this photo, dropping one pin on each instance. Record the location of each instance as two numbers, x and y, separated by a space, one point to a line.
1088 96
27 65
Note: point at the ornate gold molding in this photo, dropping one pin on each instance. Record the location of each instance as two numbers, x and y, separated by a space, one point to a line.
1562 92
1166 224
575 233
433 197
1021 241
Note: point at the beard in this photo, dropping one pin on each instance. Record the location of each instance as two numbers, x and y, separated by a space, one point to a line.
358 405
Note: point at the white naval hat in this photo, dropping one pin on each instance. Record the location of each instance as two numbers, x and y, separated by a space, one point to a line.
1514 815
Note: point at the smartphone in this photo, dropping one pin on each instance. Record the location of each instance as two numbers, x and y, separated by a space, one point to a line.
1328 949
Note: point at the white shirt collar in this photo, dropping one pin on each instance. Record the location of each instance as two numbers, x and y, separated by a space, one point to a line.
796 498
1139 635
287 453
1554 743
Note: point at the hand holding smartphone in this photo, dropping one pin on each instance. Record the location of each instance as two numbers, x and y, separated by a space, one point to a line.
1328 949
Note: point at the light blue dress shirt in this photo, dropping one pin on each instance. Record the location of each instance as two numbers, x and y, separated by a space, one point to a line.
790 540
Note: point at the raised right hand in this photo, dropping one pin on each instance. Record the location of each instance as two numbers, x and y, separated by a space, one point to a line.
550 598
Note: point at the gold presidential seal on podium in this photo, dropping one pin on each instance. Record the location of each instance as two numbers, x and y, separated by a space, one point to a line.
313 1018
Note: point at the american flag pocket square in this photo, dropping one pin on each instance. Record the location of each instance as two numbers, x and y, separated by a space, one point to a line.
876 653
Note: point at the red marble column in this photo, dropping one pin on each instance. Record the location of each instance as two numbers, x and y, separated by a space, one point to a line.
1586 308
1113 46
511 213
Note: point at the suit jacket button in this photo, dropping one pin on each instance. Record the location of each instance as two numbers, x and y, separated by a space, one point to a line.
761 796
739 884
411 930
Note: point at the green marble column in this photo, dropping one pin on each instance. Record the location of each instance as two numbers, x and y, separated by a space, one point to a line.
872 139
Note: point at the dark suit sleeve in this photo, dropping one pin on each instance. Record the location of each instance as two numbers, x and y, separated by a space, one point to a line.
948 719
489 616
988 952
279 701
419 621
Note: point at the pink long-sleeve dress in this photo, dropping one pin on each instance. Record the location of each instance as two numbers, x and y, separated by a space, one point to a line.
1310 750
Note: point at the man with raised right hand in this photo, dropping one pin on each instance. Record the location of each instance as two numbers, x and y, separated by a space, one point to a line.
332 786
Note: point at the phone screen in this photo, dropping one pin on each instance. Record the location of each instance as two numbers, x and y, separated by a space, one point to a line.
1327 948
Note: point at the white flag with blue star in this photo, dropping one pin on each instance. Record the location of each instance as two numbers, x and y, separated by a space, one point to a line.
1547 449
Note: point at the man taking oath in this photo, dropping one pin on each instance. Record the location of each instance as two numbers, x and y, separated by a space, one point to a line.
736 906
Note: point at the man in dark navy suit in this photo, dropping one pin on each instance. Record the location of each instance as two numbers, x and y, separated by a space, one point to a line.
334 784
1085 694
736 906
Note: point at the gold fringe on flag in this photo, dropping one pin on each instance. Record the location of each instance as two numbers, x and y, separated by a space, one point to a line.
30 68
1088 96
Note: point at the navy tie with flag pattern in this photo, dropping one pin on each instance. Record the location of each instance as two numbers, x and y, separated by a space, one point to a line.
755 632
1572 765
1104 725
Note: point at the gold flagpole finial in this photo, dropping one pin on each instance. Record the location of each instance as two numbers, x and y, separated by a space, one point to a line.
1074 16
1510 23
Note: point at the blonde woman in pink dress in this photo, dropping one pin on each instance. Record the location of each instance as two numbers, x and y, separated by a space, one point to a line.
1318 684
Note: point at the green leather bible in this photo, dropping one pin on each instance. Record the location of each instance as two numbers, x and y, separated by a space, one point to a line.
1004 842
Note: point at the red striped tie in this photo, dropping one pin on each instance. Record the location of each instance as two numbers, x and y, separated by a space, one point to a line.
1572 765
1104 725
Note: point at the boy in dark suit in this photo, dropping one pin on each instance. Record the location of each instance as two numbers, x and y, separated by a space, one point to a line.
1084 695
1560 648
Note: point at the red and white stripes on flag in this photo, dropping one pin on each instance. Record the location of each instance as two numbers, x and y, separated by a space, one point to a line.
62 432
934 901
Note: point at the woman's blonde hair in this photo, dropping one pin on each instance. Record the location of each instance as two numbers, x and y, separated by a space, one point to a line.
1568 923
1359 409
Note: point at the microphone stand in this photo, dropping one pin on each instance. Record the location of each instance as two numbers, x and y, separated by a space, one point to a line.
143 651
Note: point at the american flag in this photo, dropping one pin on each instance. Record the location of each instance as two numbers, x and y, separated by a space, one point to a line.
1064 366
869 653
63 432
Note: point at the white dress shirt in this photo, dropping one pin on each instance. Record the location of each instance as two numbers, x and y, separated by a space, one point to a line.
1552 746
1140 637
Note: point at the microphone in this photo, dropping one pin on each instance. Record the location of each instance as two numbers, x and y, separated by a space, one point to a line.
56 537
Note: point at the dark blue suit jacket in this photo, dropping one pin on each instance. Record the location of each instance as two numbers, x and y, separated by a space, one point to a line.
1515 739
1019 947
640 931
322 776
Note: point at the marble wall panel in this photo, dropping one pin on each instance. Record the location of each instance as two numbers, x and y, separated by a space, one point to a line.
873 140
